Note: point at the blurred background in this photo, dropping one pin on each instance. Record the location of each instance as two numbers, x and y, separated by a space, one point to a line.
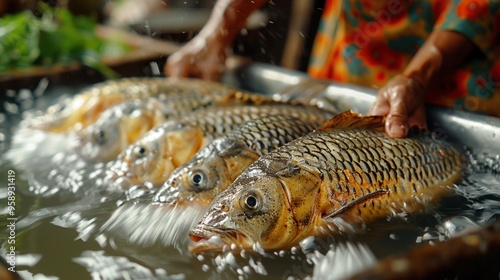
64 40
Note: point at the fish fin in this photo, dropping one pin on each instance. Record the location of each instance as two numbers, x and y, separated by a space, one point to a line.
349 119
245 98
184 143
357 201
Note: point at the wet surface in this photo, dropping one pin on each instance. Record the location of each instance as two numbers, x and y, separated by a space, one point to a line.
71 225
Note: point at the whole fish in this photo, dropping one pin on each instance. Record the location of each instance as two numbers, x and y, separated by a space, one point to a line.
216 166
124 123
84 108
153 158
347 170
118 127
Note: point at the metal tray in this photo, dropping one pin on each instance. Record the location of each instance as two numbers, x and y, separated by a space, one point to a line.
476 131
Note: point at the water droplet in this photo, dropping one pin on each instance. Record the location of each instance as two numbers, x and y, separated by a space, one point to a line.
42 86
10 93
11 108
24 94
27 104
230 260
155 70
160 272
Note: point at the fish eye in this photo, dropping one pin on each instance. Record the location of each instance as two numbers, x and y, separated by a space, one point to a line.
198 179
140 151
99 136
251 201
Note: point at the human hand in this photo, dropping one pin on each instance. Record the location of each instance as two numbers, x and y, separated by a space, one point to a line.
401 99
201 57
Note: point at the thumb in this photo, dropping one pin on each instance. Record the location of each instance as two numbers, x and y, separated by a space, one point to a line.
396 124
175 70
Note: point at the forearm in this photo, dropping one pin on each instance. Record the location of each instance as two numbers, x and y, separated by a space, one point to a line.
228 18
442 52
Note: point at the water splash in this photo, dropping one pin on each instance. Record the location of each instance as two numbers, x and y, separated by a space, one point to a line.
102 266
343 260
146 225
51 165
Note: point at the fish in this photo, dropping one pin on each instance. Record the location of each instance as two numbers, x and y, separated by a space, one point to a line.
348 171
85 107
152 158
216 165
118 127
123 124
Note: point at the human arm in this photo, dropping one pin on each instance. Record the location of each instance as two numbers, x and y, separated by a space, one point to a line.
205 55
401 99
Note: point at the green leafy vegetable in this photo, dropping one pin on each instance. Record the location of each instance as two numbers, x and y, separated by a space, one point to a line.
55 37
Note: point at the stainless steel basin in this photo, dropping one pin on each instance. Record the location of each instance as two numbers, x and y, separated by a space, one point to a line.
476 131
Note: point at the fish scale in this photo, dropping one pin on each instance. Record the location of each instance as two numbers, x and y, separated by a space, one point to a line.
148 86
219 120
85 107
192 132
346 170
225 158
389 176
118 127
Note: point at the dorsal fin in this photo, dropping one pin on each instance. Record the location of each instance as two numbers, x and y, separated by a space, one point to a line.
349 119
246 98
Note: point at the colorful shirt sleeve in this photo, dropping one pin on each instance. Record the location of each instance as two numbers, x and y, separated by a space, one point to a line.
478 20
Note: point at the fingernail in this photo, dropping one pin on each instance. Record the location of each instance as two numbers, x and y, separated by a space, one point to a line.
397 131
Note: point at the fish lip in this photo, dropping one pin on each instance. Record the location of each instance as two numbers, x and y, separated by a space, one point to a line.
167 198
205 238
81 147
119 179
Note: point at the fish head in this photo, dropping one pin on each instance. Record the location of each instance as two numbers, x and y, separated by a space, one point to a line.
255 209
100 141
208 173
152 158
117 128
76 113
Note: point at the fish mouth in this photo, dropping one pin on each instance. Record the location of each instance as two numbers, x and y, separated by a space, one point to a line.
85 149
53 120
120 179
174 197
204 238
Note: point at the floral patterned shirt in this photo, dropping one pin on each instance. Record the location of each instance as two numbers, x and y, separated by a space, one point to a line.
368 42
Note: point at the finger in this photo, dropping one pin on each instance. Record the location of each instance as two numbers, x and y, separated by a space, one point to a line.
211 75
380 107
176 70
418 118
396 124
213 71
